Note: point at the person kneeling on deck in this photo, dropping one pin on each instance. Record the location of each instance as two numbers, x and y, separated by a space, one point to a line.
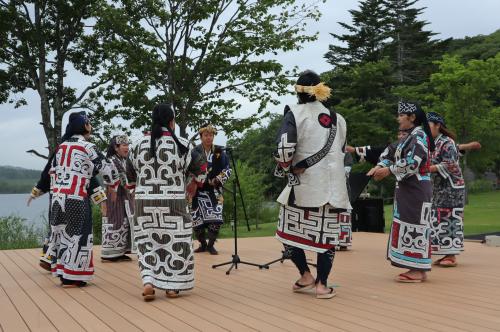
310 153
207 204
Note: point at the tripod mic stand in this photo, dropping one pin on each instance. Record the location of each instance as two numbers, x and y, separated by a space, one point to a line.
285 254
236 258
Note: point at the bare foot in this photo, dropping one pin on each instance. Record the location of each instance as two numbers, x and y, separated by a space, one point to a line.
412 276
148 292
324 292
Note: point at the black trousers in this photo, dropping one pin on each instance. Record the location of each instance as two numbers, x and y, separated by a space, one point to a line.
213 232
324 262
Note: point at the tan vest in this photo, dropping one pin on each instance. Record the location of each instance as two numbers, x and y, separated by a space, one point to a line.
324 182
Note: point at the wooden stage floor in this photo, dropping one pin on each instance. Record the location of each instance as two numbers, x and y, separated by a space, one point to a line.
465 298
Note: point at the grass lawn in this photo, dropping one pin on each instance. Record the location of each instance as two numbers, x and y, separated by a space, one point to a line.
482 215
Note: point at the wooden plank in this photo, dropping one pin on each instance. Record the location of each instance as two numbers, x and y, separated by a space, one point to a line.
34 318
73 308
10 319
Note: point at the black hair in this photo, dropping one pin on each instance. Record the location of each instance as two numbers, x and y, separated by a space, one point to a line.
76 125
421 120
162 115
307 78
111 147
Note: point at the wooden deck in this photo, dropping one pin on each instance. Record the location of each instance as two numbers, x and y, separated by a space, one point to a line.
466 298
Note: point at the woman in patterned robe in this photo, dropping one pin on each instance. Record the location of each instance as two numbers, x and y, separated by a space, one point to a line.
409 241
162 224
448 196
117 240
75 163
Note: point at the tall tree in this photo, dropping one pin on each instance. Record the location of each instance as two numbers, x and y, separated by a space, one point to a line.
41 41
204 57
411 49
365 37
468 95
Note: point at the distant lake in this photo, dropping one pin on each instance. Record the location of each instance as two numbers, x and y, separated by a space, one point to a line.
16 204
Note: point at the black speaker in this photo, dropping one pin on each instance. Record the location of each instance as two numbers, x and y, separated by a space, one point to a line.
368 215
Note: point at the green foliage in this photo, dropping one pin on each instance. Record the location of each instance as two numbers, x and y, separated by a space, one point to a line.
478 47
468 96
366 38
362 94
97 224
253 188
40 41
203 57
480 186
17 180
256 147
15 233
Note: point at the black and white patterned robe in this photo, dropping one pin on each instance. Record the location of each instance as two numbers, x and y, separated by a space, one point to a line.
76 162
162 223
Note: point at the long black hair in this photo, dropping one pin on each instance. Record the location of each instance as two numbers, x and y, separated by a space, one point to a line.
162 115
111 147
421 120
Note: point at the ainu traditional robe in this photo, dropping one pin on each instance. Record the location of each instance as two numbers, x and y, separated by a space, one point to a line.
315 203
448 199
162 222
409 240
76 162
208 203
117 226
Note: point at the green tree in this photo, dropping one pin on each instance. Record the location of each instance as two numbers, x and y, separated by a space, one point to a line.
362 94
204 57
468 95
41 41
411 48
365 37
253 188
256 147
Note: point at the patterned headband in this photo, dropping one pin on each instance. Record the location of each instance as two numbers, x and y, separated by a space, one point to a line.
407 108
435 117
122 139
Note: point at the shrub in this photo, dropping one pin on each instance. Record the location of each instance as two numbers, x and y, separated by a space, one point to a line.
480 186
15 233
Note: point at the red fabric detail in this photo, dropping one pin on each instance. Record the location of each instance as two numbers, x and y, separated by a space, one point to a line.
395 234
325 120
306 214
72 189
70 153
284 165
165 133
83 189
413 254
302 241
78 273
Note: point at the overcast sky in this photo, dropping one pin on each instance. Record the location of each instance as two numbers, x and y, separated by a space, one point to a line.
20 129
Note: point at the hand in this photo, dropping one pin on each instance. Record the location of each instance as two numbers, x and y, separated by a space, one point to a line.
298 171
381 173
104 209
191 189
373 170
433 169
350 149
29 200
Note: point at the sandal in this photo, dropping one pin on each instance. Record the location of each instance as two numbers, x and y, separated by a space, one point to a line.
328 295
172 294
46 266
73 284
451 262
302 288
403 277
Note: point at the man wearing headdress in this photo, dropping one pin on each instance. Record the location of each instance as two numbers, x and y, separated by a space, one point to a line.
208 202
117 224
310 153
